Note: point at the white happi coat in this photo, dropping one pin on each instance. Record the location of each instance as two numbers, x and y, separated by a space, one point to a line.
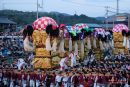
20 63
58 79
73 59
65 79
72 83
63 63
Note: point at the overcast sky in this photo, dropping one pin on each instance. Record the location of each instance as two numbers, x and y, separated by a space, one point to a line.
91 8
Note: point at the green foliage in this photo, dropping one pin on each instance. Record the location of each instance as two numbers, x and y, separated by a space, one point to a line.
23 18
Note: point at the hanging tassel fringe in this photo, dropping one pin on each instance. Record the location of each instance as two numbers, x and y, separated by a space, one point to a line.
82 48
105 45
128 44
76 47
70 44
101 45
124 41
54 46
88 43
109 44
61 47
48 44
28 46
112 42
94 43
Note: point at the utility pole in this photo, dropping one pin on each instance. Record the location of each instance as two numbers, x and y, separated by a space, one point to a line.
37 8
117 7
129 27
129 20
113 21
106 16
42 5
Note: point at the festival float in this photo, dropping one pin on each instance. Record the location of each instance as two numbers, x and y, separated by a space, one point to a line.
51 42
80 35
121 39
102 41
85 39
44 33
77 34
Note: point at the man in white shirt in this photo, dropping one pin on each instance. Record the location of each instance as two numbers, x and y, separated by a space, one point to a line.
58 79
65 80
63 63
73 57
21 63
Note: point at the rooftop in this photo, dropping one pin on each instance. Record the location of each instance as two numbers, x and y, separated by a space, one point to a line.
94 25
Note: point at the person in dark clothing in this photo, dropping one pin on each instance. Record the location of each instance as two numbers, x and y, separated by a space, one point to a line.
76 80
48 80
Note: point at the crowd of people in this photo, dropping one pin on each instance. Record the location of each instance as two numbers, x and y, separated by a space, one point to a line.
104 73
10 34
101 74
108 72
11 48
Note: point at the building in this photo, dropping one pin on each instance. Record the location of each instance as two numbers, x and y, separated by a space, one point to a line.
121 18
111 21
7 25
94 25
107 26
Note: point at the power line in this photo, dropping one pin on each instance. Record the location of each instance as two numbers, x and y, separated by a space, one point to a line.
81 4
5 7
67 1
106 17
37 9
119 9
111 11
93 5
129 20
17 3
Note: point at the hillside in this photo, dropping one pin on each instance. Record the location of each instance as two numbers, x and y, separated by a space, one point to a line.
22 18
100 18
